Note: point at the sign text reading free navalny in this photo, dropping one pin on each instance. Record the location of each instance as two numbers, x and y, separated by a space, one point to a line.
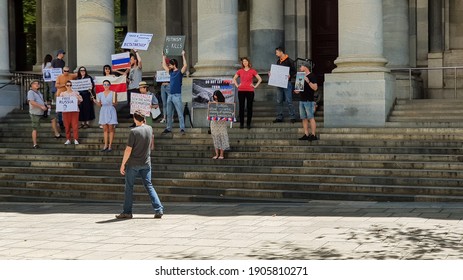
138 41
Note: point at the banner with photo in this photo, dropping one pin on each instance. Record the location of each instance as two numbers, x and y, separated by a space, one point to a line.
204 88
118 85
50 74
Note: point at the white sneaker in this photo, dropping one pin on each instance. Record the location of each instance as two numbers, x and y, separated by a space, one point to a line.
163 120
67 142
76 142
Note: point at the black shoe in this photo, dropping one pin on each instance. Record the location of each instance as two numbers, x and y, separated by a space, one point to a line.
166 131
305 137
36 146
182 132
277 120
59 136
248 127
158 215
312 137
292 120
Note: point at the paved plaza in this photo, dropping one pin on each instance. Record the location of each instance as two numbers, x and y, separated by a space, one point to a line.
315 230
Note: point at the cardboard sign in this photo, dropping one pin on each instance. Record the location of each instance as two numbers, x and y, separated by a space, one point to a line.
81 84
221 111
162 76
67 104
278 76
174 45
50 74
141 102
138 41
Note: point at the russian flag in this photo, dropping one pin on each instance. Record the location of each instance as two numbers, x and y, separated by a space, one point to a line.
118 85
120 60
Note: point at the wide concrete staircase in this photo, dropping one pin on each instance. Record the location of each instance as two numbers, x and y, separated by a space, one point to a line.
417 157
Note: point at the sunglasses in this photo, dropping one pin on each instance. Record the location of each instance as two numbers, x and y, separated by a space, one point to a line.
82 70
69 85
106 85
65 70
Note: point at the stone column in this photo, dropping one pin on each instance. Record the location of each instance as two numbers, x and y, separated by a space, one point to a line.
4 40
38 33
436 45
95 33
396 33
267 32
217 38
360 92
54 27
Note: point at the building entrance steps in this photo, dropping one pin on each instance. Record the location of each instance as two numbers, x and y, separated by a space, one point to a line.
408 160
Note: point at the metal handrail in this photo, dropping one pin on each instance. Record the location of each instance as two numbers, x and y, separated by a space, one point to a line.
24 80
409 70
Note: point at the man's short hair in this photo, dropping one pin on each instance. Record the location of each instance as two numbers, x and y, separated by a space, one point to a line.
280 48
139 115
34 81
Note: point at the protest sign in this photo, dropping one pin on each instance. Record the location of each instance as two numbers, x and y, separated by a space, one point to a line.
299 85
118 85
50 74
174 45
278 76
162 76
67 104
141 102
204 88
81 84
138 41
221 111
120 60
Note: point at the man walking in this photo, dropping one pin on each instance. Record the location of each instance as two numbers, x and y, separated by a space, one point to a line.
285 94
174 99
137 161
307 102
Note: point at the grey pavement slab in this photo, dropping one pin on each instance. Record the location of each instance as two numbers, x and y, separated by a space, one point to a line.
318 230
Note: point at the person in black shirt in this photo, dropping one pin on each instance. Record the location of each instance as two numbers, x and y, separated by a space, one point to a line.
285 94
307 102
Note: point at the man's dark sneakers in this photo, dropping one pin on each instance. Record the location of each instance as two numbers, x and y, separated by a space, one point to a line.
305 137
312 137
277 120
292 120
166 131
124 216
158 215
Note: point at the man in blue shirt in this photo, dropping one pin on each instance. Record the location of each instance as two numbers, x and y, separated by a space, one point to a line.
174 99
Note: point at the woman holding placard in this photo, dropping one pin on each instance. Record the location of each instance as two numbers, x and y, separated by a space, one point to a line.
71 118
246 89
87 112
219 130
107 100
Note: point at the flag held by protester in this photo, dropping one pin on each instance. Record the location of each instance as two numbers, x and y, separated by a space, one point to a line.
118 85
120 60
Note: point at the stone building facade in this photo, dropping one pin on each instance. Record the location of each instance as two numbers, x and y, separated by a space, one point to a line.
356 44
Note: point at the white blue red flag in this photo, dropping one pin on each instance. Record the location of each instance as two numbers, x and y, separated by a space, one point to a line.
120 60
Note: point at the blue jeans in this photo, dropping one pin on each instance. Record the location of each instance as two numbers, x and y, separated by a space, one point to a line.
175 100
145 174
285 94
165 91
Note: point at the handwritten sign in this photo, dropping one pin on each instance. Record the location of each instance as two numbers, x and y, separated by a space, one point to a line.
81 84
174 45
139 41
50 74
67 104
162 76
140 102
278 76
221 111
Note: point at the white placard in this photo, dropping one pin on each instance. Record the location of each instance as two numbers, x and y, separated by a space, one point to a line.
67 104
141 102
162 76
81 84
155 112
278 76
138 41
50 74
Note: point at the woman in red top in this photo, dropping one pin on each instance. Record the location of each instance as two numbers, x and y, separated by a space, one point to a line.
246 89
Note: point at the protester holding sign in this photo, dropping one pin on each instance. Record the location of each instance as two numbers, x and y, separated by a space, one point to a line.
285 94
71 119
107 100
134 75
87 112
219 130
47 91
246 89
174 99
